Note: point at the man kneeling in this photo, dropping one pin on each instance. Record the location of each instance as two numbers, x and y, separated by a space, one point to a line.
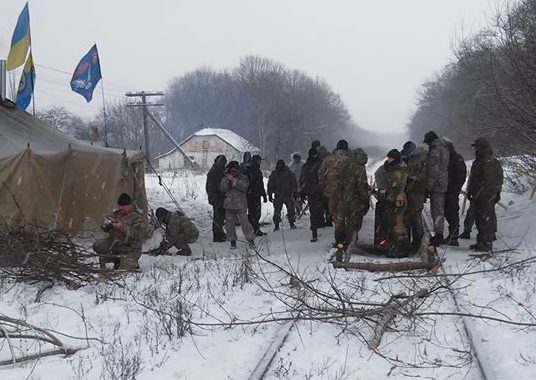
180 231
125 228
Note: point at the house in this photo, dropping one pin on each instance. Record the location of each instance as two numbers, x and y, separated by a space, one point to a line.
203 147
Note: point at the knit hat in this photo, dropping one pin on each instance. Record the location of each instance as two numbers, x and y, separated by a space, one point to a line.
394 154
430 137
342 144
124 200
481 142
408 147
315 144
280 164
233 165
161 212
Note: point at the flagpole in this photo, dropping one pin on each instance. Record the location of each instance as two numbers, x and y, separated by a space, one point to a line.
105 118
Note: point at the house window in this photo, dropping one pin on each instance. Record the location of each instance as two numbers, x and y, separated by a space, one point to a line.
205 144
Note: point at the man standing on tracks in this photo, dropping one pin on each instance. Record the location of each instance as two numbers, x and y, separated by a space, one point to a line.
415 158
235 185
437 181
282 187
216 198
396 202
484 189
255 192
457 175
357 193
311 190
333 183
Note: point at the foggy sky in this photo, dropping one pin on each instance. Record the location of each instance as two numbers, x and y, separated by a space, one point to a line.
375 53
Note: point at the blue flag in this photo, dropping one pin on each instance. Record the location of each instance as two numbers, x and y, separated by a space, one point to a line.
87 74
26 84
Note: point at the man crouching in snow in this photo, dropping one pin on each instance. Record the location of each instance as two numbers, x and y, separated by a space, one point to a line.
123 245
180 231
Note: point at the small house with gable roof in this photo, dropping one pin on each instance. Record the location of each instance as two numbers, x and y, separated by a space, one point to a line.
203 147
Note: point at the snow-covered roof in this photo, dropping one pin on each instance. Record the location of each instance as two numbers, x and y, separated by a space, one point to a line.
231 138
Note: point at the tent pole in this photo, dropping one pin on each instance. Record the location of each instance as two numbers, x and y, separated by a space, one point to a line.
105 117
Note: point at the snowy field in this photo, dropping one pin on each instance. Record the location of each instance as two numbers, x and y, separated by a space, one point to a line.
215 314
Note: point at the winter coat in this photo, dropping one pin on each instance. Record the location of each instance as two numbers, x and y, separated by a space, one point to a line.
486 179
132 229
256 181
309 184
212 186
331 173
397 176
380 177
457 173
296 169
179 228
437 166
282 183
322 152
357 191
235 192
416 168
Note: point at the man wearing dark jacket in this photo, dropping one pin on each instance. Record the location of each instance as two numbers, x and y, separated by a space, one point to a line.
255 192
282 187
484 190
311 190
457 174
216 198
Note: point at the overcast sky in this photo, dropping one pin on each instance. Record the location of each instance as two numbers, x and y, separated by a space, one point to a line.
375 53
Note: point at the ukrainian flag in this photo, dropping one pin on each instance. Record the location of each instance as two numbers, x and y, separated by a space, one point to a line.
20 42
27 83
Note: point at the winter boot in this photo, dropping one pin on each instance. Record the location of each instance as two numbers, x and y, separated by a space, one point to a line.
483 247
437 239
466 235
251 244
233 244
185 250
276 228
292 226
454 243
315 236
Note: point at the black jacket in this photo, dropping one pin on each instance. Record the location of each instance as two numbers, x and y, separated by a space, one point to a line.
282 183
214 176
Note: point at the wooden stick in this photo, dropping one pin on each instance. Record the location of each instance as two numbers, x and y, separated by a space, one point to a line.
399 266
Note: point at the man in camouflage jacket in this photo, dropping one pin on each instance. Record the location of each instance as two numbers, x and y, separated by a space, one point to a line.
180 231
125 228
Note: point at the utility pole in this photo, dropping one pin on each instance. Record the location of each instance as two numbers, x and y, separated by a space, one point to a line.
143 103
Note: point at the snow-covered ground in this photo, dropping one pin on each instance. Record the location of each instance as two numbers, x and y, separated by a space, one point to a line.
202 317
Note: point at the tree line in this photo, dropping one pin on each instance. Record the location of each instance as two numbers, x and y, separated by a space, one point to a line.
280 110
490 87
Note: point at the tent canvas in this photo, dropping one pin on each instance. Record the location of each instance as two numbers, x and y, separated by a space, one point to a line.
57 181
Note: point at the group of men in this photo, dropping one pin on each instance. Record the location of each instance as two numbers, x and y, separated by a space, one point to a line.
336 189
126 228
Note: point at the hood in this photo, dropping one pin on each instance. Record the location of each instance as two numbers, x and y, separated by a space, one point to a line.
360 156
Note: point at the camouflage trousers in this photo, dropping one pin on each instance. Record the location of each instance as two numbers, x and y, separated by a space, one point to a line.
123 256
342 219
390 227
414 223
232 217
437 209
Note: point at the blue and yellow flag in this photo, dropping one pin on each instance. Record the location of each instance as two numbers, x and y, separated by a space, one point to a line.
87 74
26 84
20 42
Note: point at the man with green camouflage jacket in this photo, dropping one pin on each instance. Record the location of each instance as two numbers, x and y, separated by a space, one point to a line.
125 228
180 231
